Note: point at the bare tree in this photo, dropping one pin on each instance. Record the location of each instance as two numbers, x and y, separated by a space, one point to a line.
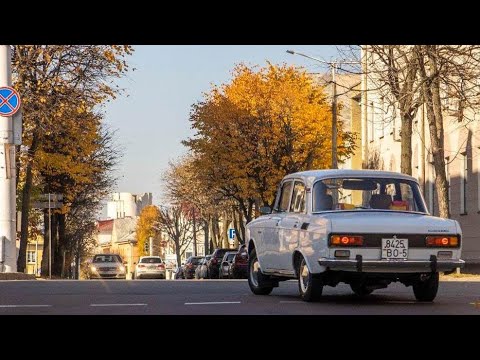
178 226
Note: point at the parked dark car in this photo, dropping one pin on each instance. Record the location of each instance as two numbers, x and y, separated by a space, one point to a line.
215 262
224 272
239 265
179 274
201 272
190 266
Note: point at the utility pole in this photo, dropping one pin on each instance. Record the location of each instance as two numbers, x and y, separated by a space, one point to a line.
150 246
49 239
8 248
333 65
334 117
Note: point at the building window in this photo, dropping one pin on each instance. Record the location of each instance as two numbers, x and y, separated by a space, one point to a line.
447 172
463 183
371 127
382 117
431 190
31 256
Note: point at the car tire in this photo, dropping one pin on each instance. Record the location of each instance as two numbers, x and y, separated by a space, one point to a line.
309 286
426 286
256 279
360 289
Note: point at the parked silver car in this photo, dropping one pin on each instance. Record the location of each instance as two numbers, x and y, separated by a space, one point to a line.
225 265
150 267
107 266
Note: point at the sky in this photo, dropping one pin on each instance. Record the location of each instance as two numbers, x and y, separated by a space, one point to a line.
151 118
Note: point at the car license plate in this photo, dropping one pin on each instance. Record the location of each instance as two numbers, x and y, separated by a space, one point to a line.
151 267
396 249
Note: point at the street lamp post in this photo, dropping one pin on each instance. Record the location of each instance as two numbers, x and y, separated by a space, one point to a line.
333 65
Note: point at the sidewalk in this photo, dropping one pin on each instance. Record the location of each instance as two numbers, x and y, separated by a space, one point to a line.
16 276
460 277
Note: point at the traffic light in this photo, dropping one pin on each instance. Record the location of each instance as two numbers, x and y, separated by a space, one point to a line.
146 246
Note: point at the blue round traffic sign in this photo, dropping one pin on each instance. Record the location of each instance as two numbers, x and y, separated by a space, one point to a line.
9 101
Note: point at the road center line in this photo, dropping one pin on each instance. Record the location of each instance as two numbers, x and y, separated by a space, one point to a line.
98 305
213 303
24 306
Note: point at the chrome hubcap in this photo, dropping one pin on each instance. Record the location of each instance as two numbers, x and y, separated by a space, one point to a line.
304 275
254 269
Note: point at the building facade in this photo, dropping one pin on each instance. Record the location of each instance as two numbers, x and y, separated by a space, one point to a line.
381 148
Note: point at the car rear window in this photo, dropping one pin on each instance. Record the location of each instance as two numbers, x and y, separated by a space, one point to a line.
220 252
106 258
196 261
230 257
151 260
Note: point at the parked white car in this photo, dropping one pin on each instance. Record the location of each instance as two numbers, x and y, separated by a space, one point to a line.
365 228
150 267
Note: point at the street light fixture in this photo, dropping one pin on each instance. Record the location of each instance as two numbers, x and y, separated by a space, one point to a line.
333 65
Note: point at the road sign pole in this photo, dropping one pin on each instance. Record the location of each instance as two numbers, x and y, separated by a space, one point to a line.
49 239
7 172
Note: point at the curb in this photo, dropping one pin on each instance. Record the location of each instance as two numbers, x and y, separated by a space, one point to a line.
16 276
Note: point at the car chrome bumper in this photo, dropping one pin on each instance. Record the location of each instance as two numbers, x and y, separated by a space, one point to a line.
401 266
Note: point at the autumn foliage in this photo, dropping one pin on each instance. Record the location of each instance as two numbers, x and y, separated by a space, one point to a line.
265 123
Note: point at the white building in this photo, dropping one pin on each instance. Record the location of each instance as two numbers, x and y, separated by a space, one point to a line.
124 204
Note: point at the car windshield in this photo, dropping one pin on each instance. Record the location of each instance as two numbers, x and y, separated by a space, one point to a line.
367 194
105 258
151 260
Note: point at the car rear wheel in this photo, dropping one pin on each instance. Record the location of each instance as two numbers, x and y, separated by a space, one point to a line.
426 286
310 287
256 279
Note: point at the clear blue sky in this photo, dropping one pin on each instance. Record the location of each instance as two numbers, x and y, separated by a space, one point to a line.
152 117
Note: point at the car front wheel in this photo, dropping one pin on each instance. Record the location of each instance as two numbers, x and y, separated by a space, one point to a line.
426 286
257 280
310 287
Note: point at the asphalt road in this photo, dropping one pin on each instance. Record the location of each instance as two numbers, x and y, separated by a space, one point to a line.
221 297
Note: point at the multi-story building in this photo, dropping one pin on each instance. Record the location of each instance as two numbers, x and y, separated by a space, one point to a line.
381 148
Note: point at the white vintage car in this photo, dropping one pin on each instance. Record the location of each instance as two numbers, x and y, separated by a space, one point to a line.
365 228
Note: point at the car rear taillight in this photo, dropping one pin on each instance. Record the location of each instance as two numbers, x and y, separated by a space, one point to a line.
214 261
442 241
141 266
189 265
161 266
346 240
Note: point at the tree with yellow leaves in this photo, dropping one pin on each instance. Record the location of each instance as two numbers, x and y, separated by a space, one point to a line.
58 84
265 123
148 226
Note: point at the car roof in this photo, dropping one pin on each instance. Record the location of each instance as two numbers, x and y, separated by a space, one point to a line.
143 257
312 175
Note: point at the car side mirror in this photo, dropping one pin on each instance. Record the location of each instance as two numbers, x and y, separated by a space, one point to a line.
264 210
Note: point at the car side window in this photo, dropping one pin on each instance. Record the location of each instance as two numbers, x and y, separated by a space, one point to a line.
285 196
297 204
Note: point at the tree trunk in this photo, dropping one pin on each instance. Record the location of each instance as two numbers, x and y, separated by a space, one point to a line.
206 240
177 252
62 241
406 145
26 192
431 96
194 224
46 249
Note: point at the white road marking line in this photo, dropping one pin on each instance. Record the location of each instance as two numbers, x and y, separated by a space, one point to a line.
118 305
406 302
213 303
24 306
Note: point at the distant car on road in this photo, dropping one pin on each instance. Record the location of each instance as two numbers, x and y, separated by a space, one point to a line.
365 228
190 266
239 265
215 262
107 266
201 272
150 267
224 272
